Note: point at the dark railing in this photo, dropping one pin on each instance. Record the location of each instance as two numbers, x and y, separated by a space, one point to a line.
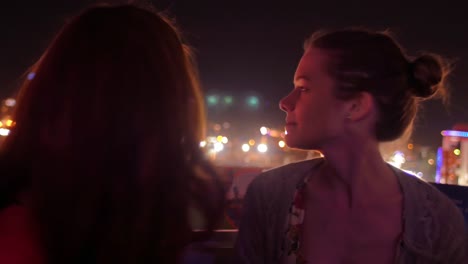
217 250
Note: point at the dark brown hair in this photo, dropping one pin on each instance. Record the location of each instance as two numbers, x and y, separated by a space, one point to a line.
372 61
106 141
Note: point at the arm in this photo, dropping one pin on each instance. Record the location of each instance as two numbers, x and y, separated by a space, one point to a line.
460 253
456 239
249 247
457 244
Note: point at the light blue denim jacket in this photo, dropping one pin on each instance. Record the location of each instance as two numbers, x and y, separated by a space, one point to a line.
434 229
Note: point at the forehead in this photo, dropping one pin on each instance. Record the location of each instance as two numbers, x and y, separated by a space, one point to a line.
312 64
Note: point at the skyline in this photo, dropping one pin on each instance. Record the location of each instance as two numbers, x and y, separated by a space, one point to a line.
253 47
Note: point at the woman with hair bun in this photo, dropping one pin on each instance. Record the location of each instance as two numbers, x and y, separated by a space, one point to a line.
353 89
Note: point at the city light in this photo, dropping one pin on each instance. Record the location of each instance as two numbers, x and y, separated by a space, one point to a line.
4 132
245 147
398 159
228 100
281 144
10 102
439 160
218 147
454 133
275 133
238 147
203 144
31 75
262 148
456 152
252 101
9 122
211 140
212 100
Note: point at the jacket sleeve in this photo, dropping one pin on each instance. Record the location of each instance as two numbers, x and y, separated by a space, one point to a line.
457 243
461 252
454 241
249 247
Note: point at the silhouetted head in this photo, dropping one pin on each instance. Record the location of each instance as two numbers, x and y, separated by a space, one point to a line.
107 139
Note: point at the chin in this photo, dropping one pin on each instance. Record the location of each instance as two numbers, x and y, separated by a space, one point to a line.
295 143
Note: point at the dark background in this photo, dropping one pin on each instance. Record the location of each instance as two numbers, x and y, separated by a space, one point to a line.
252 47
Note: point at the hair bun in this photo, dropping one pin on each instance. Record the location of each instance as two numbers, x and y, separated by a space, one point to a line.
426 74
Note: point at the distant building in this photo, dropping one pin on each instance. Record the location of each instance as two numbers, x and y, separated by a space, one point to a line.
452 158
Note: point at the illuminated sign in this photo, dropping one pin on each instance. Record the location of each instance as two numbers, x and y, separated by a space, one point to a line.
454 133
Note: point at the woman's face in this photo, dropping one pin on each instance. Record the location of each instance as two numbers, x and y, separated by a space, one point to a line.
314 116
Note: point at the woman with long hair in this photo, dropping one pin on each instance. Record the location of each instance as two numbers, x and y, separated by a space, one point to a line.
103 164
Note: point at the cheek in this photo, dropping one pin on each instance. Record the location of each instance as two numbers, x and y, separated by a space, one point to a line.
321 109
324 117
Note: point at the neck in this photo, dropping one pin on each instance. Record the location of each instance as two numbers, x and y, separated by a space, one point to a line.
358 168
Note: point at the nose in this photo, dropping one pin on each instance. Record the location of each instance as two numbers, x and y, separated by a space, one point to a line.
287 103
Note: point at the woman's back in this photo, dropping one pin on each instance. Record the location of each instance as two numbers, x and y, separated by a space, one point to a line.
18 242
110 166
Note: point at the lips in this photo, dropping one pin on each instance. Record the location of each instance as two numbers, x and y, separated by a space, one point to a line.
290 126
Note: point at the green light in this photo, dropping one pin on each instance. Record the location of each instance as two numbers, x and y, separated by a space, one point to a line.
228 100
212 100
252 101
456 152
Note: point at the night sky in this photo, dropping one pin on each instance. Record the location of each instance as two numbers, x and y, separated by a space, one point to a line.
252 47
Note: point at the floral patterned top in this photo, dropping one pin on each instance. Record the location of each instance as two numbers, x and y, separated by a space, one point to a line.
296 219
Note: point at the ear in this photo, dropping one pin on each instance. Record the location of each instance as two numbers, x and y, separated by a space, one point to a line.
360 106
